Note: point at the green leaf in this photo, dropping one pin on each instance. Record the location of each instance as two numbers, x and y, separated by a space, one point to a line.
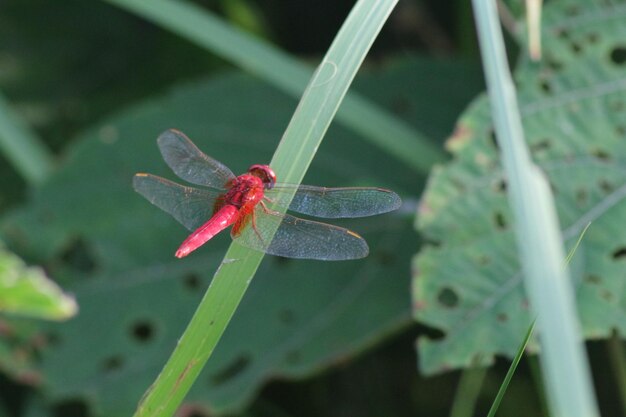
21 145
298 317
27 291
469 284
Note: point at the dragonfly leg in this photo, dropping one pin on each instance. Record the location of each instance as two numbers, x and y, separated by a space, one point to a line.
254 227
265 209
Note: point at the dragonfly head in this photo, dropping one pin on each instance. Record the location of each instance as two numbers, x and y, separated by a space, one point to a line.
264 172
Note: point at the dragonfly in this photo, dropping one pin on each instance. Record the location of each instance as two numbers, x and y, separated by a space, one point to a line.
247 203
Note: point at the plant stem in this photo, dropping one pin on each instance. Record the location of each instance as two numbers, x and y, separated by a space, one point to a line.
467 393
548 285
291 160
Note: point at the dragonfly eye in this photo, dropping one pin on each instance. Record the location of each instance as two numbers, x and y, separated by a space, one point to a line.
266 174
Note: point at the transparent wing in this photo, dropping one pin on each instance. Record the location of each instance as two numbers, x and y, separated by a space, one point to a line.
299 238
190 163
337 202
192 207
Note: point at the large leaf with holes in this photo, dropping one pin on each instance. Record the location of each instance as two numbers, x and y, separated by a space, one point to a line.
573 103
115 250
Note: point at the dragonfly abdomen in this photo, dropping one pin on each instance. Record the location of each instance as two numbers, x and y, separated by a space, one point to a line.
223 218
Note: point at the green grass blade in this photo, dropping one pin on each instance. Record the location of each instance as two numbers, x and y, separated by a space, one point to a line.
522 348
565 368
291 160
372 122
511 372
571 253
22 147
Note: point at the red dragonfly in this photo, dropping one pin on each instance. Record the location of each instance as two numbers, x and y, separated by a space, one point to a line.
241 202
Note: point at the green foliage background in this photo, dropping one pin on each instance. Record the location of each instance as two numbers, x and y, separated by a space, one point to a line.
310 338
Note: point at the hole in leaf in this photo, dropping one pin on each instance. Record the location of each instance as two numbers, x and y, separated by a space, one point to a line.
593 37
581 196
501 186
143 331
112 363
545 86
593 279
618 55
607 295
73 407
601 154
236 367
541 145
562 33
79 256
605 186
448 297
499 220
554 65
576 47
502 317
619 253
192 281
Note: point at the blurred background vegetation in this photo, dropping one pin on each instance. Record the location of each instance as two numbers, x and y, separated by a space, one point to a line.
97 85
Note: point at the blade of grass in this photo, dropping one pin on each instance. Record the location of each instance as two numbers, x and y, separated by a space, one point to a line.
291 160
21 146
549 288
522 348
571 253
258 57
510 372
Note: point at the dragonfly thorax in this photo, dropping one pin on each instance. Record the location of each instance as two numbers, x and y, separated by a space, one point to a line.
246 189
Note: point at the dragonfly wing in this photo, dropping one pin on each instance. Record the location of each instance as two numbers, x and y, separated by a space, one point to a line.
190 163
338 202
192 207
299 238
